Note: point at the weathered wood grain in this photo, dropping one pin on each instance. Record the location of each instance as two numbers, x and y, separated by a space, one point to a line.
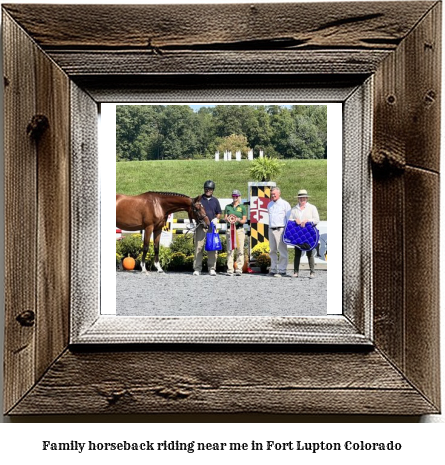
37 195
78 63
20 214
53 223
423 47
423 92
243 88
406 132
389 157
276 25
85 211
422 324
357 209
164 39
398 42
223 382
213 330
388 275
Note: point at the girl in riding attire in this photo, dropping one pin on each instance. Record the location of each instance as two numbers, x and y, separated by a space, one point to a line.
236 215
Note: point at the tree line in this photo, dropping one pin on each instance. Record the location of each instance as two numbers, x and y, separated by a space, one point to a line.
177 132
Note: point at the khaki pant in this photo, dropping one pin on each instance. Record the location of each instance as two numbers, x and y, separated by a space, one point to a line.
240 237
200 242
277 245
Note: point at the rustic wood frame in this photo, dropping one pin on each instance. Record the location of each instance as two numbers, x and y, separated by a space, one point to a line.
67 60
90 320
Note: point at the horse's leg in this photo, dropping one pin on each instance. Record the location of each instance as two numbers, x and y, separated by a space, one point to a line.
147 234
156 240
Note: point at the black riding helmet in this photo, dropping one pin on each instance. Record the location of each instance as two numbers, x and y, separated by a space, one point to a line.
209 185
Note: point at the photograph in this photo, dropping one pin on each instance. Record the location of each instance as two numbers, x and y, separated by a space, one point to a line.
225 133
208 192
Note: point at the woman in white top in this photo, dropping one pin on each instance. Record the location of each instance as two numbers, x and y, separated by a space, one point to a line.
304 213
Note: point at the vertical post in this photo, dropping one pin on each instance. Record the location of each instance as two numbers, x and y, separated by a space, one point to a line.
259 198
238 155
261 153
229 155
216 156
167 231
250 154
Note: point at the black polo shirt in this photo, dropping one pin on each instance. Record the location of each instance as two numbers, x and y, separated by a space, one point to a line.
212 206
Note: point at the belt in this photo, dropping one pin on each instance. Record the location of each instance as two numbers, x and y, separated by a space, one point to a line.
278 227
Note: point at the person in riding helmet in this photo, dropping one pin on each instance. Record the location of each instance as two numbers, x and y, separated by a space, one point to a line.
213 211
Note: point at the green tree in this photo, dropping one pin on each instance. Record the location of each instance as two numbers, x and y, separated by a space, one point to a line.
158 132
206 136
228 120
178 128
312 122
260 131
233 143
136 130
283 126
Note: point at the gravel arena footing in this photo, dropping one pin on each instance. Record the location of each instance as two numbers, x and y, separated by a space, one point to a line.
182 294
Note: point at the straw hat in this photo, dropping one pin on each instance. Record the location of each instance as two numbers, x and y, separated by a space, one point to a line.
302 193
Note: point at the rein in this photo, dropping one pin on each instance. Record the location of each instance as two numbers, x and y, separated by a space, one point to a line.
200 219
196 210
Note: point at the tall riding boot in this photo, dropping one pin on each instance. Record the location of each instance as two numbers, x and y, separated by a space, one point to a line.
311 260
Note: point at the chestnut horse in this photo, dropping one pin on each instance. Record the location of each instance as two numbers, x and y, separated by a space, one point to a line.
149 211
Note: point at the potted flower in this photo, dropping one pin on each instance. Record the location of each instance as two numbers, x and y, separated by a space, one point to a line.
263 261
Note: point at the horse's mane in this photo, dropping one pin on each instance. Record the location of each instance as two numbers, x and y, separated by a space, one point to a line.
168 193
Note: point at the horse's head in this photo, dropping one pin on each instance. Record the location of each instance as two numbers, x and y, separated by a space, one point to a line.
198 212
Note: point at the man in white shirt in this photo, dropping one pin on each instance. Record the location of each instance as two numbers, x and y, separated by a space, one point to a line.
279 211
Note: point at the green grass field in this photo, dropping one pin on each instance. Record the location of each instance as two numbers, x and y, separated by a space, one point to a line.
188 176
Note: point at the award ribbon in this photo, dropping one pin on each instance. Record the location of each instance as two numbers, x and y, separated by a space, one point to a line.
232 219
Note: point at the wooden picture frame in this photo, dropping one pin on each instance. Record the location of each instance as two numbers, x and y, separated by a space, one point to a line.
380 358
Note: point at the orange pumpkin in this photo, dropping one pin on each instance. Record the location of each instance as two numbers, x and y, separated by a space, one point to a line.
245 266
129 263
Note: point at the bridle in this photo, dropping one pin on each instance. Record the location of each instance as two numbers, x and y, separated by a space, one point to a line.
196 207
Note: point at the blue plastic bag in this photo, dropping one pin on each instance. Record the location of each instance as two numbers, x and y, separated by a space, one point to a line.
213 241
